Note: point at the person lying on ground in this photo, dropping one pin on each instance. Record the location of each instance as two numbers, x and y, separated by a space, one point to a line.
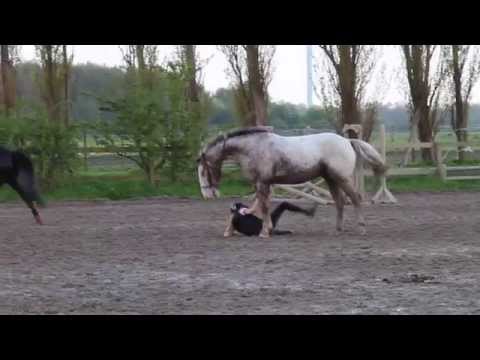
248 224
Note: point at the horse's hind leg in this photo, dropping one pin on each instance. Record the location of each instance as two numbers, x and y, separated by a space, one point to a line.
347 187
337 196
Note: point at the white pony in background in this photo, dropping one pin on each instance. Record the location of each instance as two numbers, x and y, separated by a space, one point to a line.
267 159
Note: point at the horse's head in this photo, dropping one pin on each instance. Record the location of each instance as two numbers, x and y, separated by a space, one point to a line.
212 156
209 174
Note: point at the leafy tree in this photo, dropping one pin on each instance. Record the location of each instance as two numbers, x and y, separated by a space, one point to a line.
52 147
347 70
463 64
250 69
155 123
424 83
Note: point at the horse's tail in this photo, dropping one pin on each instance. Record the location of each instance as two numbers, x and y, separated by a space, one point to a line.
26 177
368 153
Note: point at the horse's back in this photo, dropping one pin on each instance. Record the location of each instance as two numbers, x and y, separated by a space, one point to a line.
324 145
308 151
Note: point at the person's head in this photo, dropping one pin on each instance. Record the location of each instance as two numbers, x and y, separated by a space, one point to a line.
236 207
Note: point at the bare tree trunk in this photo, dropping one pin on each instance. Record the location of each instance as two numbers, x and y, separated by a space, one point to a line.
141 64
251 72
255 85
347 78
347 75
191 64
140 57
66 80
51 93
461 131
423 89
460 113
54 78
370 118
8 81
425 132
4 67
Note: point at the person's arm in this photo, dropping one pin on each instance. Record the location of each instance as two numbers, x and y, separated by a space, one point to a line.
254 209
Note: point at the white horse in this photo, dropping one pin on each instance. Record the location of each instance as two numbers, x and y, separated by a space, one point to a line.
267 159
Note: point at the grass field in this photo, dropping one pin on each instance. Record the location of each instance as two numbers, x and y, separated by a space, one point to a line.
117 184
109 177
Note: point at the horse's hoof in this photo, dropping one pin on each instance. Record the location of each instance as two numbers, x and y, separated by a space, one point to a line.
227 235
264 236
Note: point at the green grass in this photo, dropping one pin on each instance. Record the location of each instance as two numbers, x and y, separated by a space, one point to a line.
115 183
471 162
118 185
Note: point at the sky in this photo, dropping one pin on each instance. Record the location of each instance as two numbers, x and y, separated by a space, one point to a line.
290 70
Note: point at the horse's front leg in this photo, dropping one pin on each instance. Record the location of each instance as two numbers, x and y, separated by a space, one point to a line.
263 196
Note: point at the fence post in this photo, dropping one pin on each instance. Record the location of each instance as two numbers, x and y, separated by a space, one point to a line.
383 195
441 169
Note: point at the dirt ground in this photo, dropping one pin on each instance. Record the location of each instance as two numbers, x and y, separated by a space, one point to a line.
168 256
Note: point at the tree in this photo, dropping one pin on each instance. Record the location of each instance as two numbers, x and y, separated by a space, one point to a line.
141 63
257 80
155 125
54 80
197 101
67 61
8 54
188 57
370 118
346 72
463 62
251 70
424 84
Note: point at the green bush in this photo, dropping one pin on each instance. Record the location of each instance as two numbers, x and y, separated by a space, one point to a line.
52 147
156 126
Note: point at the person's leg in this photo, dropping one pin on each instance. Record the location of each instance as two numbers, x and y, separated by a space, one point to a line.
280 209
281 232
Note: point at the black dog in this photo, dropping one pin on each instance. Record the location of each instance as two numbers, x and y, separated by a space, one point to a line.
16 170
251 225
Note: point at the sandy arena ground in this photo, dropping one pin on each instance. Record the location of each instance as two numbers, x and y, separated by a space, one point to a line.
168 256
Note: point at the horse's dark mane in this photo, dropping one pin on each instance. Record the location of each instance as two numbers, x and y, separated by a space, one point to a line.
236 133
